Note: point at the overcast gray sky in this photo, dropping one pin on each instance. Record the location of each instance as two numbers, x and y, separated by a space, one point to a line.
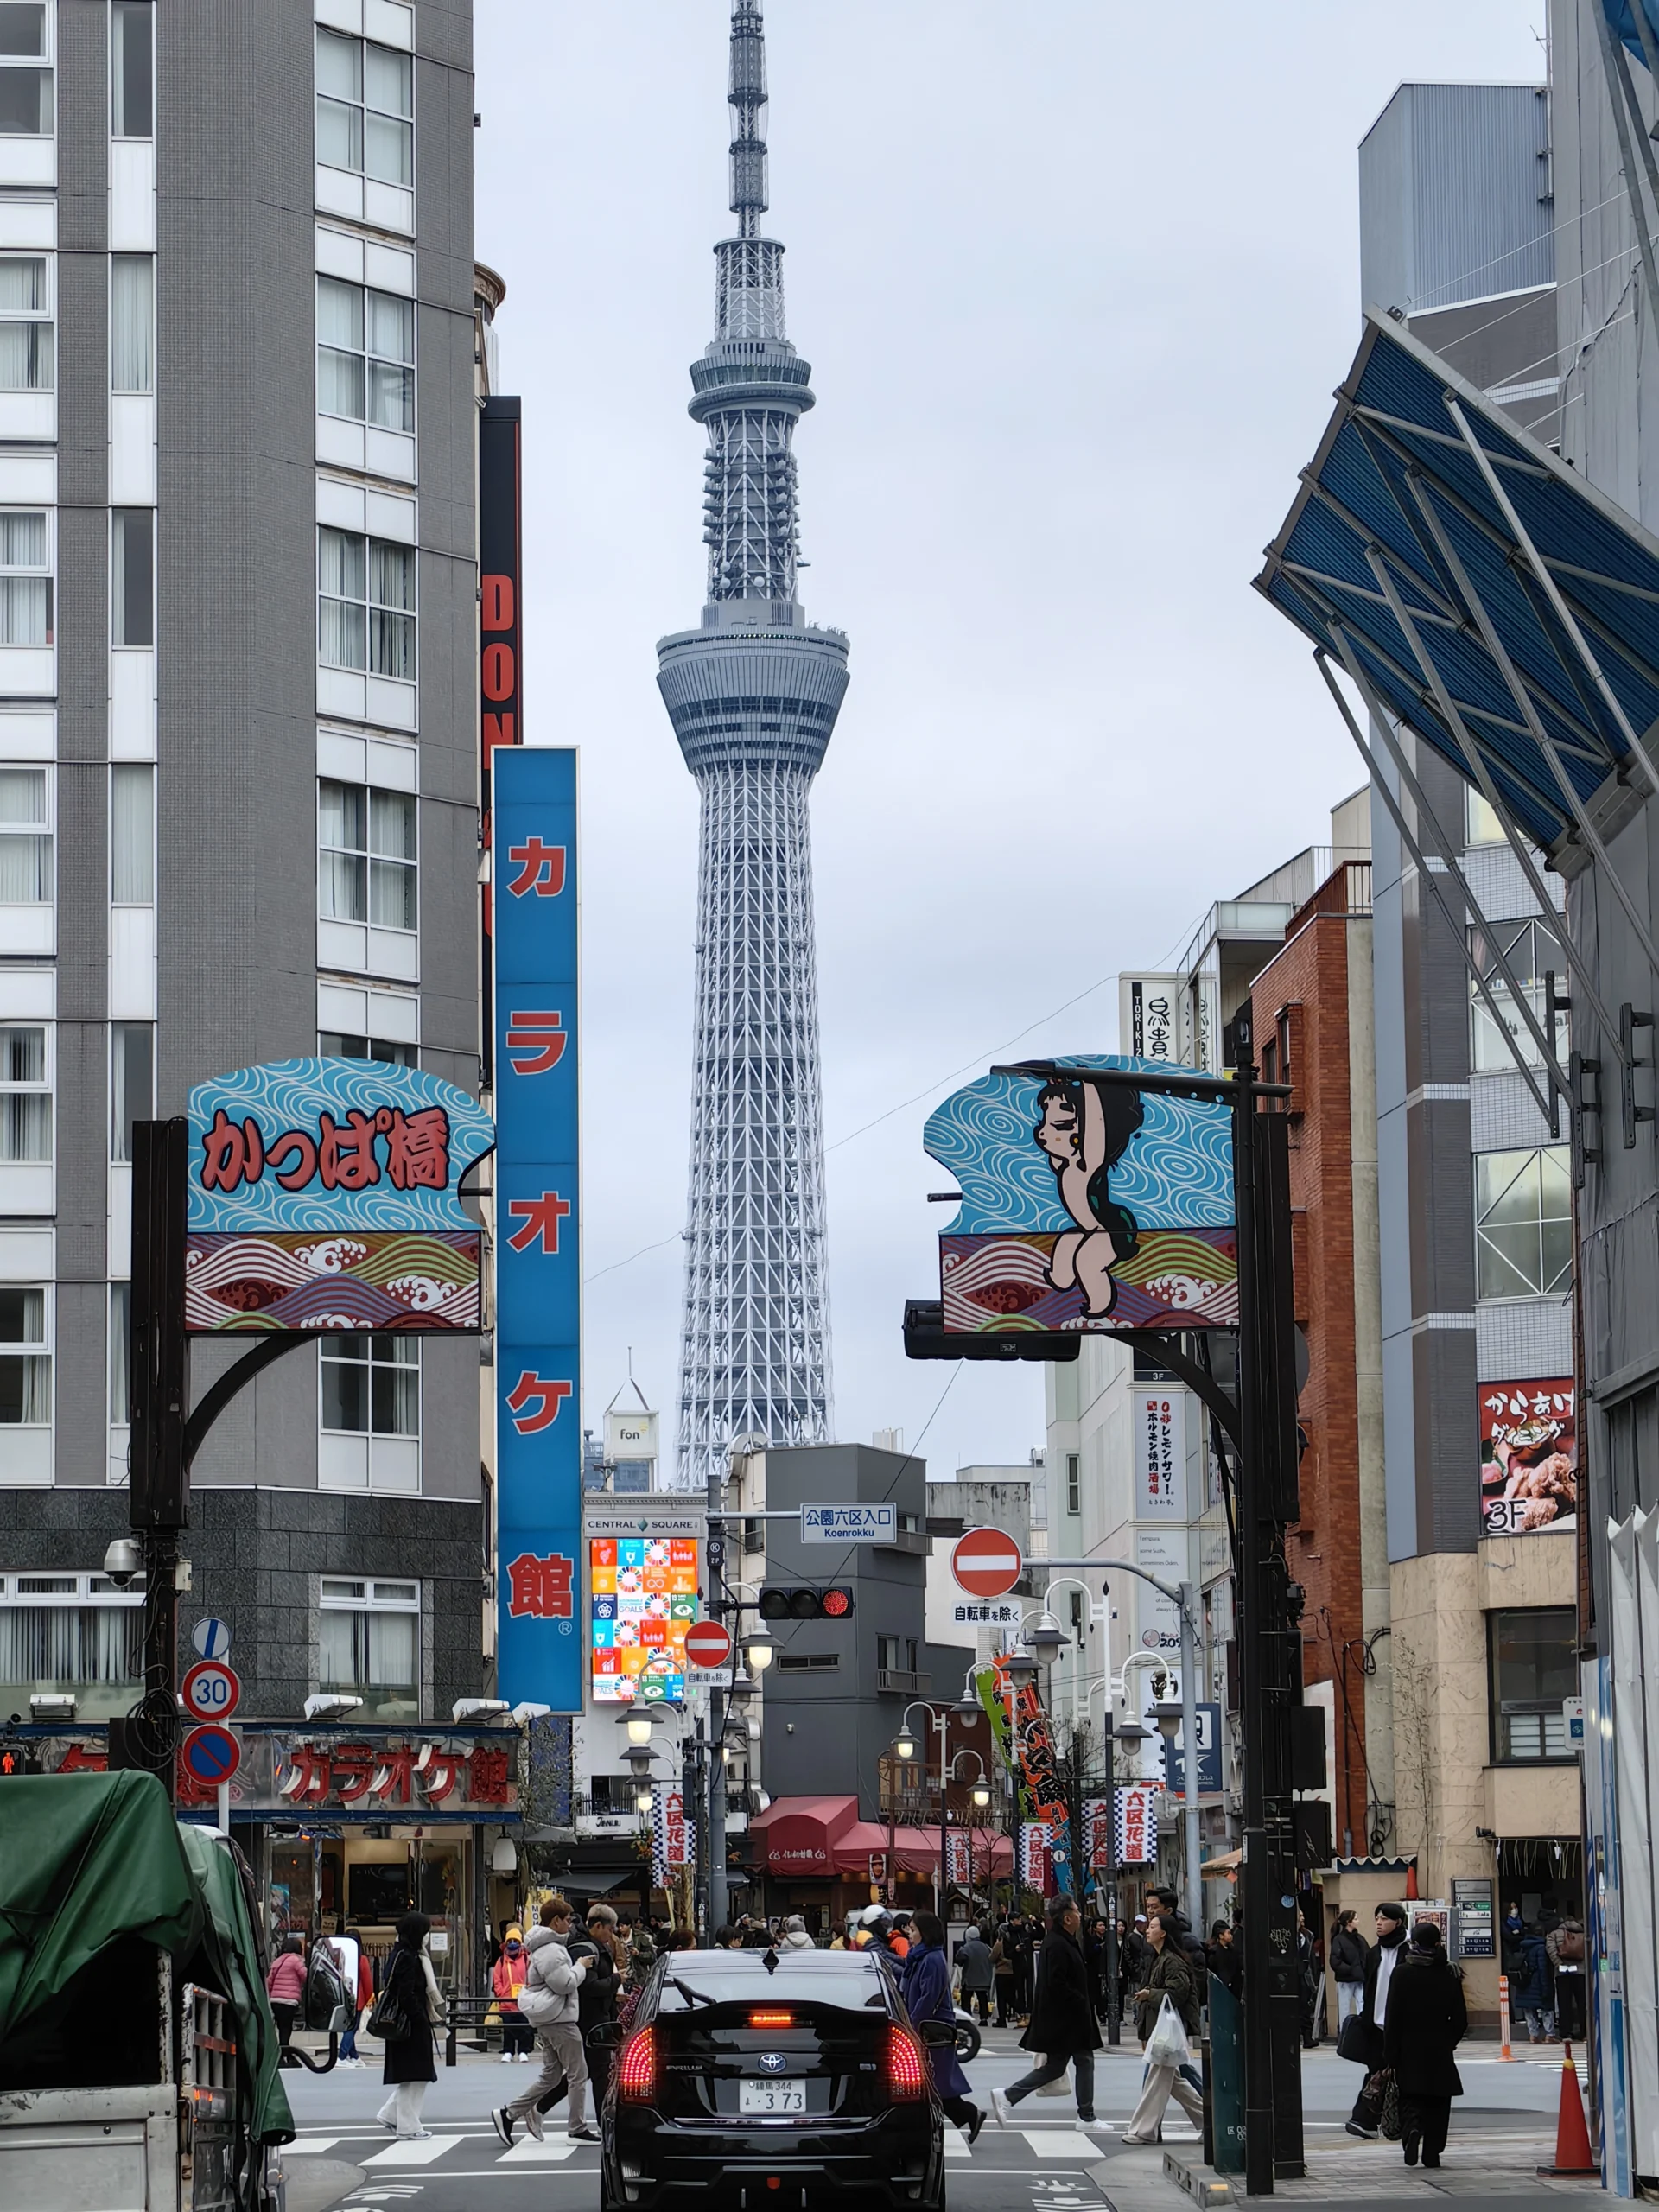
1076 280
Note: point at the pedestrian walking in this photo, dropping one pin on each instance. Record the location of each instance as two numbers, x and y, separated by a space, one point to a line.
925 1986
1002 1974
1565 1947
1062 2031
410 2065
1426 2020
548 1998
597 1952
1170 1981
1311 1975
795 1936
506 1980
977 1971
1024 1947
1533 1994
285 1985
1134 1958
357 1971
1224 1957
1366 2118
1348 1953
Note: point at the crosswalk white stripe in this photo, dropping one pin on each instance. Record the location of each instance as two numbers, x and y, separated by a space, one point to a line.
409 2152
1068 2143
529 2152
309 2150
956 2146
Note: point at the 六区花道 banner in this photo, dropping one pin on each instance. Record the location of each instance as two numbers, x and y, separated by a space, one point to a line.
538 1240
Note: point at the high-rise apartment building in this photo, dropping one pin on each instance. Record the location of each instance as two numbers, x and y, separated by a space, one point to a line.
239 353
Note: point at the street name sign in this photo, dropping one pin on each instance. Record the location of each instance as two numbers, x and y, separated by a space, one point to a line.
848 1524
987 1562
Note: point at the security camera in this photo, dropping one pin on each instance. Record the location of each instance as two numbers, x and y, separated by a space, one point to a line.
123 1562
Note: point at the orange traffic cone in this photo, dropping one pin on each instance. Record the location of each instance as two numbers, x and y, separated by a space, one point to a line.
1411 1883
1571 2136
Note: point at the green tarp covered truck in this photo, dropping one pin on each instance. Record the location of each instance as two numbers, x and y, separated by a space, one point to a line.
138 2058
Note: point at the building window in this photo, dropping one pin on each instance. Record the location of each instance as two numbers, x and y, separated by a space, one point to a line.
368 1644
25 1361
132 579
365 106
1074 1482
334 1044
132 1082
26 348
1482 825
71 1635
120 1322
1532 952
25 1094
896 1654
371 1385
25 93
132 834
367 612
1523 1222
808 1662
25 839
1535 1667
132 69
366 837
25 579
132 322
366 355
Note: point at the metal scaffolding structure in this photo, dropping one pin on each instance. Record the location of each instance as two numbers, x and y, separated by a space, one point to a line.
752 694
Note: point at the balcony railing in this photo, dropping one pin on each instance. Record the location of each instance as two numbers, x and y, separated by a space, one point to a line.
898 1682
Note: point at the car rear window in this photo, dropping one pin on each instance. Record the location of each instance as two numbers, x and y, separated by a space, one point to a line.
697 1977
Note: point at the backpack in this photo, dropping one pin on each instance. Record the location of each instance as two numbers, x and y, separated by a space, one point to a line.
325 1990
1570 1944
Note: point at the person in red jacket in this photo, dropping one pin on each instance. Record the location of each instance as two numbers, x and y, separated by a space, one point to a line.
506 1980
285 1985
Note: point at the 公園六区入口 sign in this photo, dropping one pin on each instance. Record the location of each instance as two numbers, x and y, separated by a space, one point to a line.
848 1524
324 1197
1086 1202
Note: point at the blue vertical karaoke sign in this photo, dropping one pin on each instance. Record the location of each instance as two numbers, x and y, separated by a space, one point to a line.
537 1229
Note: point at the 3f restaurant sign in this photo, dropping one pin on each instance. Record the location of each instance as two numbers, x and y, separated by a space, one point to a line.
538 1227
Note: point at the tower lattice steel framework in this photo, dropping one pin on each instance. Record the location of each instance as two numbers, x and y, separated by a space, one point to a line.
752 696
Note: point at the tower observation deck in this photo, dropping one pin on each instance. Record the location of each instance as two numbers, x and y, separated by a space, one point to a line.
753 693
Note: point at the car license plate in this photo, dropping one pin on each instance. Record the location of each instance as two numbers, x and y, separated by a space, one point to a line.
779 2099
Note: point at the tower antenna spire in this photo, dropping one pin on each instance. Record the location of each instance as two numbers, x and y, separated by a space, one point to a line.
748 96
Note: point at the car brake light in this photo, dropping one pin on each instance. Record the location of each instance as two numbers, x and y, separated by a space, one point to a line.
636 2069
907 2076
771 2019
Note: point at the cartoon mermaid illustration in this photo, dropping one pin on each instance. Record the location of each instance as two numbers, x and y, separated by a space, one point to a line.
1084 1129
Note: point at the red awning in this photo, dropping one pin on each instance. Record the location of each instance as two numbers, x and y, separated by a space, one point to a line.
801 1836
916 1851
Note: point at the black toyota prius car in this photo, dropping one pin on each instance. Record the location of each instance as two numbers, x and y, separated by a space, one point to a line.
785 2080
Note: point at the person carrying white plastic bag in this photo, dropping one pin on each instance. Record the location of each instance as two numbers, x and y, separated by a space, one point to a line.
1166 2014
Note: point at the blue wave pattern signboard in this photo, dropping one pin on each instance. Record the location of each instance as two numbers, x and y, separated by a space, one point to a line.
1086 1205
323 1196
538 1228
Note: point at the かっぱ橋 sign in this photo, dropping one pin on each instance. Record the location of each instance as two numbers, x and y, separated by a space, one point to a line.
1085 1203
323 1196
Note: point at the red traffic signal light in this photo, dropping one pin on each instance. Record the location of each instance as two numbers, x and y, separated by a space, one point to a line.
798 1602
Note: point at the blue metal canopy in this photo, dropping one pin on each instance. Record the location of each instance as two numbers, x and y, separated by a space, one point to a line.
1621 13
1492 600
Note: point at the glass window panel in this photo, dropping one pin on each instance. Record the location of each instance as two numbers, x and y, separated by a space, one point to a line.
25 1391
22 1055
22 284
392 1649
392 824
25 1128
22 26
344 1394
389 150
25 103
22 540
132 834
391 646
342 635
22 1316
27 357
392 896
340 135
132 1082
339 313
342 564
120 1321
391 574
334 1044
1483 826
391 327
390 81
336 1662
133 582
344 815
340 384
132 93
339 66
390 396
23 797
341 887
396 1401
132 322
23 607
25 871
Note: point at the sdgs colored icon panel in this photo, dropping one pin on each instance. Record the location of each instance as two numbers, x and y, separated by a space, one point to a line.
540 1604
324 1196
642 1600
1086 1205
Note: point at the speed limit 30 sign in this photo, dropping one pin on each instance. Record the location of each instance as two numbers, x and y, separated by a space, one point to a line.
211 1691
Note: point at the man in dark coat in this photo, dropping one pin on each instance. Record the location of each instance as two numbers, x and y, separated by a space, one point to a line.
1063 2029
596 2000
1366 2119
1426 2020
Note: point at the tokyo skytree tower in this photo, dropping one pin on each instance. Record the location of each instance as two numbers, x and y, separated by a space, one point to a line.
752 694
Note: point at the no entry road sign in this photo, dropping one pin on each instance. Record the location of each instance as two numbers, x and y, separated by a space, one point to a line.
211 1691
211 1755
708 1644
987 1562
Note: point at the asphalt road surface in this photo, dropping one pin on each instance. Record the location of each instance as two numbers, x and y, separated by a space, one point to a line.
1049 2163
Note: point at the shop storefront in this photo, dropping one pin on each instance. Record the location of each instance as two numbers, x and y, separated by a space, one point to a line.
815 1857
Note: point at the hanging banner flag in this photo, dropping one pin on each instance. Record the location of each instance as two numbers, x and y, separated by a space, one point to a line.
958 1859
1137 1827
673 1836
1036 1854
1020 1729
538 1231
1096 1839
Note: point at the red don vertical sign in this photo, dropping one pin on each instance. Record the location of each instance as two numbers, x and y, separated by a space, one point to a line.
500 655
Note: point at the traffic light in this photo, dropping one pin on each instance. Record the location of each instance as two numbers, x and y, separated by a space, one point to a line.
792 1602
17 1758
